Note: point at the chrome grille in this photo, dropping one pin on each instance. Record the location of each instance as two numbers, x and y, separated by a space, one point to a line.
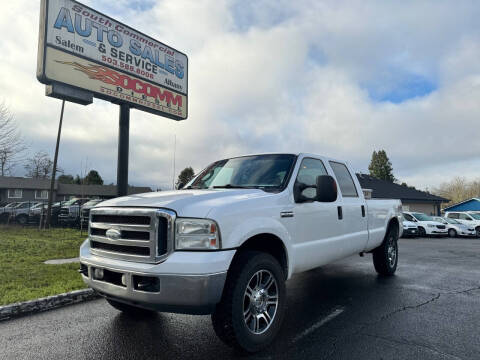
138 234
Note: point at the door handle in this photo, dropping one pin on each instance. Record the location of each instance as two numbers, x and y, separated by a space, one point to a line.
363 210
340 212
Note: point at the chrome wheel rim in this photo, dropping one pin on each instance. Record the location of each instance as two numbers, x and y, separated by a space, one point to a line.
260 302
392 252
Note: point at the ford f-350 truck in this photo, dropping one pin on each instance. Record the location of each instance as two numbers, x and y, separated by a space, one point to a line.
226 243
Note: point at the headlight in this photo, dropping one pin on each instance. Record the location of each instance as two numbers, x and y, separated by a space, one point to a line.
196 234
430 225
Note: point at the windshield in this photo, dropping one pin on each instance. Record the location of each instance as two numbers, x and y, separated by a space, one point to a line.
475 216
69 202
422 217
266 172
92 202
452 221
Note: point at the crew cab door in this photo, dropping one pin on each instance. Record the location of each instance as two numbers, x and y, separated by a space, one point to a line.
354 209
318 230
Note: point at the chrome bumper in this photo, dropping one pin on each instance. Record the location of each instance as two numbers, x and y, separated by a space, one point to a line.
179 293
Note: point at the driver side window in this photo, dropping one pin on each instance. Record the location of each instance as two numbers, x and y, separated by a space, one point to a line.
307 177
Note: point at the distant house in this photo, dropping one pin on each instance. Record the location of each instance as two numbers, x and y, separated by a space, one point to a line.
472 204
17 189
412 199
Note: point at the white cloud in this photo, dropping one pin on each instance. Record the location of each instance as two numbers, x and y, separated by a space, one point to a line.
255 87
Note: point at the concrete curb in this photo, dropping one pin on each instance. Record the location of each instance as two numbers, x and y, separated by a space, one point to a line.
47 303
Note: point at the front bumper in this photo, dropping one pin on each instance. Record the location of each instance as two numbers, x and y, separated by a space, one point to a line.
410 232
196 292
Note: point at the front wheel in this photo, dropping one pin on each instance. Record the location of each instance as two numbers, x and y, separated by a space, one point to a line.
385 257
422 232
452 233
251 311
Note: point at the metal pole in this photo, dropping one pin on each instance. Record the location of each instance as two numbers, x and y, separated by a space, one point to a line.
54 169
123 140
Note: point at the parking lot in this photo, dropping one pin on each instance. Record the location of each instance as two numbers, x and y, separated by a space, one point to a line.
429 310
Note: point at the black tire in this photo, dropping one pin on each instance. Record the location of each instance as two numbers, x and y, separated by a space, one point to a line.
130 310
452 233
251 268
4 218
385 257
421 232
478 231
22 219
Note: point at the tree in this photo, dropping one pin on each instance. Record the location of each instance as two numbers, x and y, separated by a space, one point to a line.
458 189
93 178
12 145
39 166
65 179
185 176
380 166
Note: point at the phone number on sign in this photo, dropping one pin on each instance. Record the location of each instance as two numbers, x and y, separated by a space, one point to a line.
126 66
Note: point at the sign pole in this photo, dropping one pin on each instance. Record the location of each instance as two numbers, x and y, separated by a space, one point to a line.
54 168
123 141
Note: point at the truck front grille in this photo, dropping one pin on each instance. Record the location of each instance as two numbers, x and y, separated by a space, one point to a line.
133 234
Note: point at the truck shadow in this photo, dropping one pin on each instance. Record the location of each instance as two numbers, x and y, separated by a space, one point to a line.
312 296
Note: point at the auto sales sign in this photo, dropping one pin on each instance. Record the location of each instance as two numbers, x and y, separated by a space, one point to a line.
86 49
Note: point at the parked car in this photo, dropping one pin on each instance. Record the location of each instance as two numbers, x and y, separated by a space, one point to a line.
20 212
226 243
410 229
456 228
467 218
426 224
5 211
40 211
70 212
85 210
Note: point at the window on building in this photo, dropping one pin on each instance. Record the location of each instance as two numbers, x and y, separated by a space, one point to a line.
15 193
345 181
41 194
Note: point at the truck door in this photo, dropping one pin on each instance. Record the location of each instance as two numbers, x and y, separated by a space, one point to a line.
317 226
353 209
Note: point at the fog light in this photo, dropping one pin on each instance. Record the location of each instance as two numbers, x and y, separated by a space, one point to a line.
124 280
98 274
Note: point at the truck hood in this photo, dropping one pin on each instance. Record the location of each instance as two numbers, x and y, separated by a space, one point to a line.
187 203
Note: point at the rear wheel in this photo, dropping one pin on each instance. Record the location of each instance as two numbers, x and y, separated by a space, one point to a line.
22 219
385 257
452 233
129 309
253 303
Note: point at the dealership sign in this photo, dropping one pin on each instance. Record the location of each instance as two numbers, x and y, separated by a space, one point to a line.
88 50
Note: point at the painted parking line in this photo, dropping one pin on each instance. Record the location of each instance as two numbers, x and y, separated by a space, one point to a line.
319 324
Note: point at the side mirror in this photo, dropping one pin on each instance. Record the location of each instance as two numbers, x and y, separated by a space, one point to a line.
180 186
326 189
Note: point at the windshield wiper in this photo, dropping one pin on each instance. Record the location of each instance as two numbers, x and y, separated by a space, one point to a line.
230 186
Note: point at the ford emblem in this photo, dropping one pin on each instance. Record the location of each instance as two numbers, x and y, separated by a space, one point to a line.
113 234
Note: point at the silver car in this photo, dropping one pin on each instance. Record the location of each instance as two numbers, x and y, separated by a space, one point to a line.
456 228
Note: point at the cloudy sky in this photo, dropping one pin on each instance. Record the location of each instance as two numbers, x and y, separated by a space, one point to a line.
339 78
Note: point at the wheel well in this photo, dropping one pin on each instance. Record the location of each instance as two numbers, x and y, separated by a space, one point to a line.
393 222
269 243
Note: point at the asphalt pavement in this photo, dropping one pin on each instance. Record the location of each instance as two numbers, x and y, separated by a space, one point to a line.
429 310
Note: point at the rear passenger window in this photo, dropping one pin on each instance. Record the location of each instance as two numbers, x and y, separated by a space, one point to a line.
464 217
345 181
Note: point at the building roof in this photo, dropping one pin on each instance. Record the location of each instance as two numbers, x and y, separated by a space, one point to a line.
96 190
472 204
387 190
13 182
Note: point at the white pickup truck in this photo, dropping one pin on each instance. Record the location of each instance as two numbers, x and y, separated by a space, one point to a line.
226 243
